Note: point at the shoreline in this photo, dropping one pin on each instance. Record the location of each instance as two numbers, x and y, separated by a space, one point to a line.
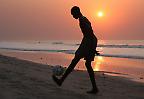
129 68
21 79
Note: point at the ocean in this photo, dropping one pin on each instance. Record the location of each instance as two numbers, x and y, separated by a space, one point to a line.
133 49
117 57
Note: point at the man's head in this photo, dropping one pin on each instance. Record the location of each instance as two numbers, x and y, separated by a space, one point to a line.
75 11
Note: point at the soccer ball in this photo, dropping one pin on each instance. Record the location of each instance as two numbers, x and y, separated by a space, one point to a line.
58 70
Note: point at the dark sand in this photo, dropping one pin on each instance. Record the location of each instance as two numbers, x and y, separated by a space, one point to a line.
21 79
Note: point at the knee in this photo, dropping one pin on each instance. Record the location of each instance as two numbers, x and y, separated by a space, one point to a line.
76 59
88 63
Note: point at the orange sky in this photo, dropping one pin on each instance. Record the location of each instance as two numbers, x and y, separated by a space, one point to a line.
51 19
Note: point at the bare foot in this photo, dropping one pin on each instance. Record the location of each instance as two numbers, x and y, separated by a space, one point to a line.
56 80
93 91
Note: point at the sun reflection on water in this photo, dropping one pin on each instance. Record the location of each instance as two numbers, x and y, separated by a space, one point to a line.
97 63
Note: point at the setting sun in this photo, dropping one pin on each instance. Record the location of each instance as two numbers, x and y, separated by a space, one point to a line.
100 14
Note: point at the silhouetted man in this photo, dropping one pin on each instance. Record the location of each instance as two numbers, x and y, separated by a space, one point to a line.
86 50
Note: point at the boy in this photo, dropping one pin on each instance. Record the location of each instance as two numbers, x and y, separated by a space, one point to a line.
86 50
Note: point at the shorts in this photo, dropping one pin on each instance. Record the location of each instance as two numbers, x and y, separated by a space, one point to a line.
87 48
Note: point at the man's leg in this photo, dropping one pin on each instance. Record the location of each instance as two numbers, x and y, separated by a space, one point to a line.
91 75
67 72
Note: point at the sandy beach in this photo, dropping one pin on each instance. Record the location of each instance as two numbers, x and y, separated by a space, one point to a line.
22 79
38 35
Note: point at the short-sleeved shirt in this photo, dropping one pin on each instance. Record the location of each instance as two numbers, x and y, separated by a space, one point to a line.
87 48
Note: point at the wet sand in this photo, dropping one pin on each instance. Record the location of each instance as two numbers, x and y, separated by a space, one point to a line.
23 79
130 68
